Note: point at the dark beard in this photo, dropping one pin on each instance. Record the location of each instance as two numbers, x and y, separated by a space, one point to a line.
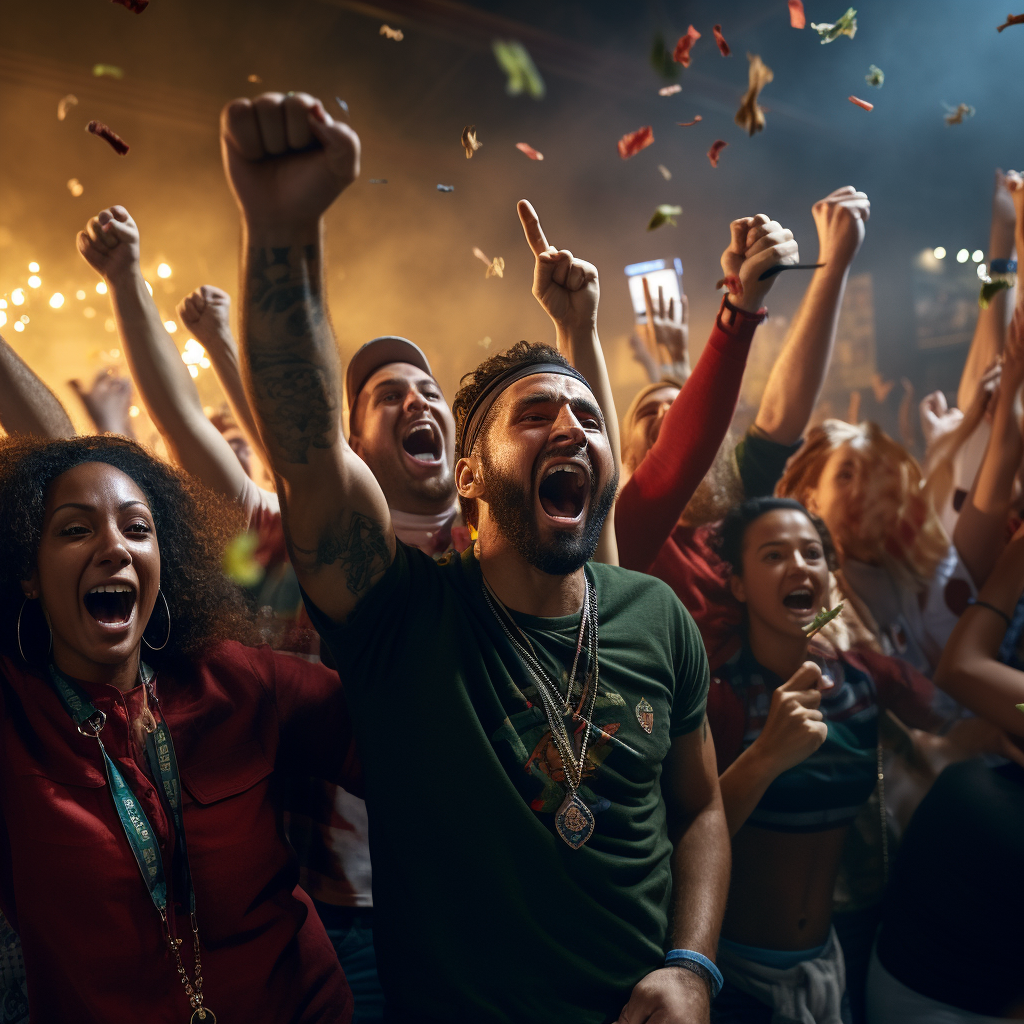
512 509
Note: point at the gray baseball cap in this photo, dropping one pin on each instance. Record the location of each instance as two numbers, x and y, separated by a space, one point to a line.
375 354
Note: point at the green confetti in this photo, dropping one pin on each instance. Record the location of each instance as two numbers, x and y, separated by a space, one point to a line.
845 26
661 59
875 76
990 289
823 617
523 75
110 70
1019 707
239 562
664 214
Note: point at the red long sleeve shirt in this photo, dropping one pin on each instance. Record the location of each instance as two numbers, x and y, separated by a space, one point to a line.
94 946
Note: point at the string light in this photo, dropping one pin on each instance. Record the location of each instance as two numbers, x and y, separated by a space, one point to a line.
101 287
19 326
18 296
939 252
163 270
170 326
977 255
35 281
80 294
56 300
33 268
963 256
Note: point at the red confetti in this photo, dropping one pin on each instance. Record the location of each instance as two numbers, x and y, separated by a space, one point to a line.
137 6
117 143
797 18
681 54
1011 19
862 103
732 284
720 39
532 153
715 151
687 124
631 143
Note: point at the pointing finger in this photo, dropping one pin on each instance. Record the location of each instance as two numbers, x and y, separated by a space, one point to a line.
531 227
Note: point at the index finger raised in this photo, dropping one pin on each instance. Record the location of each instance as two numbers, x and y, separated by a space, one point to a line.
531 227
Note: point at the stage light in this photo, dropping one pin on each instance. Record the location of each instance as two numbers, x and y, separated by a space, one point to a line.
56 300
35 281
80 294
33 268
939 252
163 270
101 288
19 326
170 326
18 296
963 256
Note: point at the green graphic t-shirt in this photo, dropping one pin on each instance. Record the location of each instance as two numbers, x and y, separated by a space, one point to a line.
481 912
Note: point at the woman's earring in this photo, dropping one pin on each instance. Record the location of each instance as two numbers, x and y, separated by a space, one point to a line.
166 638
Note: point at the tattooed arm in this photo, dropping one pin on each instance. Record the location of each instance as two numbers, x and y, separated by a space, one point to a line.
287 160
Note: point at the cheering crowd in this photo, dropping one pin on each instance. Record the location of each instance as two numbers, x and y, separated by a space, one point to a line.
576 695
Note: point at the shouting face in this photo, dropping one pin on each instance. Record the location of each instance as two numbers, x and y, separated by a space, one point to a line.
645 424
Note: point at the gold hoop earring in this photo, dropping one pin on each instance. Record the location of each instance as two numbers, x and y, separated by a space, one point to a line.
21 650
166 638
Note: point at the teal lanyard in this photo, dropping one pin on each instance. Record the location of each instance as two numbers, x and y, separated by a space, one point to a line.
164 766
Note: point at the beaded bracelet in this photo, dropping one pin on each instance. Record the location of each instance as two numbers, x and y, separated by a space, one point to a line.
699 964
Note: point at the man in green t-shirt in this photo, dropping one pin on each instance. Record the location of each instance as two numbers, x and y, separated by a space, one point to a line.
546 829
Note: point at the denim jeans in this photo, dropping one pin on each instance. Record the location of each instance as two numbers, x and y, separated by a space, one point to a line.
350 930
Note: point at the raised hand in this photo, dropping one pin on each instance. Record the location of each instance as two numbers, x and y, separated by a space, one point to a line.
110 243
107 402
937 419
567 288
794 728
668 327
841 219
757 243
1013 354
207 314
286 159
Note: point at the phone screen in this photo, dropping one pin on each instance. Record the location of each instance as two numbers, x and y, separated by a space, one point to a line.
659 274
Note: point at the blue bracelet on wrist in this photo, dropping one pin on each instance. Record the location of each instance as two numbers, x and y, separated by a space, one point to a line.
1002 267
686 957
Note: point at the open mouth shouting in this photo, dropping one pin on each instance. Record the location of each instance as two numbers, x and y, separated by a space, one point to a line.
423 444
802 601
112 605
564 491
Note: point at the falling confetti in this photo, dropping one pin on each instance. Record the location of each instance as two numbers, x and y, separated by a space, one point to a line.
665 172
469 140
239 562
485 342
661 58
664 214
681 54
956 115
517 64
750 116
341 103
991 288
863 104
1011 19
66 103
75 187
823 618
797 18
135 6
108 70
392 33
690 124
720 39
716 150
532 153
255 79
445 188
631 143
495 267
875 76
670 90
116 142
845 26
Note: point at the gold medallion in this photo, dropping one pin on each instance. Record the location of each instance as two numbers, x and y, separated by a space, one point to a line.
645 716
574 821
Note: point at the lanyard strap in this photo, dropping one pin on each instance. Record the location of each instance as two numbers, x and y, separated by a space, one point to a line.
137 828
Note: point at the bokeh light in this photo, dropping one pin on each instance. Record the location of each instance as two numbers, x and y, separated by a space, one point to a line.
56 300
18 296
19 326
35 281
170 326
163 270
963 256
33 268
977 255
101 287
939 252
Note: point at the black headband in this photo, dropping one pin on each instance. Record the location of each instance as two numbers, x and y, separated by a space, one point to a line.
482 406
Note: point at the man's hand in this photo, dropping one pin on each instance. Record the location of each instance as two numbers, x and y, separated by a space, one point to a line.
937 419
668 328
286 159
110 243
757 243
207 314
840 219
567 288
107 402
669 995
795 727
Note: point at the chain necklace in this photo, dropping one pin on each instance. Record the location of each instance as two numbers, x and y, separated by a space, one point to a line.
574 821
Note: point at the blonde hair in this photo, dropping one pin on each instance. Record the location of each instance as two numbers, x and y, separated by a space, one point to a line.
918 542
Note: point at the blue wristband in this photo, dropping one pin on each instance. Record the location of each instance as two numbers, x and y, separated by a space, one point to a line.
1003 267
682 957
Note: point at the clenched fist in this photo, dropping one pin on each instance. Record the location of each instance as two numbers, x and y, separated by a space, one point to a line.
110 243
795 727
207 314
286 159
757 244
840 219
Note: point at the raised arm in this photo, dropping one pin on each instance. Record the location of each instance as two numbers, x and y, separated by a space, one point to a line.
568 290
108 402
27 405
110 245
287 160
795 382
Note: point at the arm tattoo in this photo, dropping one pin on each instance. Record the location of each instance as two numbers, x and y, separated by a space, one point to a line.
361 547
292 359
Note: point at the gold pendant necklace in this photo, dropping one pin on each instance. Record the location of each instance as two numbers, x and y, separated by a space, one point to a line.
193 990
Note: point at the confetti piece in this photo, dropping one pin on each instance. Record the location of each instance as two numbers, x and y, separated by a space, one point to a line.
1011 19
445 188
957 115
670 90
863 104
845 26
392 33
532 153
109 70
116 142
135 6
485 342
665 172
750 116
341 103
495 267
382 181
632 142
469 140
661 58
255 79
823 618
66 103
991 288
720 39
523 76
780 267
664 214
690 124
239 562
681 54
875 76
75 187
797 18
732 284
715 151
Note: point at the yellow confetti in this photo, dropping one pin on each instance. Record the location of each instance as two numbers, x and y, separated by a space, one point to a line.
495 267
108 70
239 563
470 141
750 116
485 342
66 103
392 33
665 172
